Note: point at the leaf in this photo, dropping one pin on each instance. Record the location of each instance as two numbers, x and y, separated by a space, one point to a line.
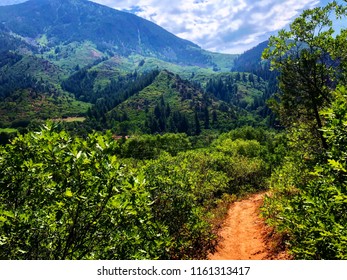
68 192
79 154
336 165
8 214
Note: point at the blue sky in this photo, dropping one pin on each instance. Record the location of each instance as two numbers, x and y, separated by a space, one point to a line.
228 26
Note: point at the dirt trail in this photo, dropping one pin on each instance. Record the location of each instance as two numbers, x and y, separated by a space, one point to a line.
245 235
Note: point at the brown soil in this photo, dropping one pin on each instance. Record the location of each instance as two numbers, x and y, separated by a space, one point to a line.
245 236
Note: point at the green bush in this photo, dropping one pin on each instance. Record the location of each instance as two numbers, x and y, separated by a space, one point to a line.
64 198
310 204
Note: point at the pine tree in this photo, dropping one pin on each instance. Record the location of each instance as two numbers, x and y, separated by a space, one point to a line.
197 124
206 118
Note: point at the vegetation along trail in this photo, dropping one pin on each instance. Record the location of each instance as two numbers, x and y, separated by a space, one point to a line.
245 235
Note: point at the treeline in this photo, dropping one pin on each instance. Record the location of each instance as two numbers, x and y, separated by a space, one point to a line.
227 90
10 43
120 90
164 119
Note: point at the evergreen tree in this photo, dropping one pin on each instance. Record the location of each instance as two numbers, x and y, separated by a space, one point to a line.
197 124
206 118
214 118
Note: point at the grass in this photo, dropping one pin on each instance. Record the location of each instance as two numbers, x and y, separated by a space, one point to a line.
73 55
8 130
70 119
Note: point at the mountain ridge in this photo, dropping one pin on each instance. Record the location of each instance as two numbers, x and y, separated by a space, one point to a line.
112 31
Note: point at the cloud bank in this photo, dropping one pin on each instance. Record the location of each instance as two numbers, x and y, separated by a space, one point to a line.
229 26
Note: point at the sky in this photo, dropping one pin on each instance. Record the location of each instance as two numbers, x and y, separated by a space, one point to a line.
227 26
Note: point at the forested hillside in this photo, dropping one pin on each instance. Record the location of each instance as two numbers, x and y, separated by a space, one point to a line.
131 149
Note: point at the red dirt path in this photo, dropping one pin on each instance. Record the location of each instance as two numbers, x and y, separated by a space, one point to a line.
245 235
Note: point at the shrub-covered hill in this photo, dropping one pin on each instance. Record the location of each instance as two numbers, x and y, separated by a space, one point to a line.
161 101
30 89
170 104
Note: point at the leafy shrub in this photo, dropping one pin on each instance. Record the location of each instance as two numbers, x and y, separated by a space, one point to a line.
64 198
150 146
311 207
183 189
247 148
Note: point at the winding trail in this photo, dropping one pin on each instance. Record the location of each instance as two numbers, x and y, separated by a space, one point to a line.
245 235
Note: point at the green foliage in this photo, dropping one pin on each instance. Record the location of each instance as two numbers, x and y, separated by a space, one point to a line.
64 198
309 204
308 198
249 148
310 60
242 160
182 188
6 134
92 198
248 141
151 146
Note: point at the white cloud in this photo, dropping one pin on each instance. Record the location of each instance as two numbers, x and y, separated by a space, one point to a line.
218 25
10 2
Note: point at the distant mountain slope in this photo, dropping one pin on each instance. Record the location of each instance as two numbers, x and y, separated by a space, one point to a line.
250 58
250 61
29 89
14 43
170 104
52 22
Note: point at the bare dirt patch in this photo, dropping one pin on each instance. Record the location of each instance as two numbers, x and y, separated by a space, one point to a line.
245 236
70 119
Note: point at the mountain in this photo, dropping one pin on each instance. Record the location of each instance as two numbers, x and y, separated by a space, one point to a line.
48 23
251 61
161 101
68 58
